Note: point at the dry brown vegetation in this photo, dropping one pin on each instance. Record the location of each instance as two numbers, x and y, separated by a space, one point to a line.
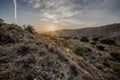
27 55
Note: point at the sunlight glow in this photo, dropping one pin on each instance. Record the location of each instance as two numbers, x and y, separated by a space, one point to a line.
52 28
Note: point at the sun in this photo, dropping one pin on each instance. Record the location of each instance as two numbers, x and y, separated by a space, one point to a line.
52 28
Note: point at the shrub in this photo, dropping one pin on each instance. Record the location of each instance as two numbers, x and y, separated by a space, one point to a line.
24 49
95 39
65 43
29 28
115 56
61 57
29 76
93 43
116 67
100 47
6 73
108 41
14 27
79 50
67 37
84 39
27 60
7 38
1 20
51 49
74 70
75 38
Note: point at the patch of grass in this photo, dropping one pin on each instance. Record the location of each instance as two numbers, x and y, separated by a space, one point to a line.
108 41
79 50
100 47
84 39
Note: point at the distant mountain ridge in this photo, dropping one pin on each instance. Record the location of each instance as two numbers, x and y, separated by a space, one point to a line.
111 30
102 30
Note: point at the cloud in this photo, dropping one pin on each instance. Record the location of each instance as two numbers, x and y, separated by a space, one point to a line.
75 12
15 9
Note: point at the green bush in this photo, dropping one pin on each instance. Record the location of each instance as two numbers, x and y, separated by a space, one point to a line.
84 39
95 39
100 47
115 56
29 28
79 50
115 64
93 43
108 41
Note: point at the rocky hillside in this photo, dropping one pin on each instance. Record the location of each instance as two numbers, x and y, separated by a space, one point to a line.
27 55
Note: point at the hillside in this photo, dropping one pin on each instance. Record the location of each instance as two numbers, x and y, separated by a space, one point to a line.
27 55
110 31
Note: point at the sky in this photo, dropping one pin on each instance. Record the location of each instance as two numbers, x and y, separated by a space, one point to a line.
64 14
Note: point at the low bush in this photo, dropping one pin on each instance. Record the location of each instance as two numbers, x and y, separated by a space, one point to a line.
65 43
75 38
6 73
116 67
14 27
67 37
7 38
29 28
100 47
95 39
79 50
108 41
74 70
84 39
29 76
93 43
115 56
24 49
51 49
1 21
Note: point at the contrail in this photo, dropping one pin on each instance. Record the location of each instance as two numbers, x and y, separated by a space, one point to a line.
15 10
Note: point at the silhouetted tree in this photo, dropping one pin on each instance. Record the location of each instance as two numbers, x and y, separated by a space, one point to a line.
1 20
29 28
